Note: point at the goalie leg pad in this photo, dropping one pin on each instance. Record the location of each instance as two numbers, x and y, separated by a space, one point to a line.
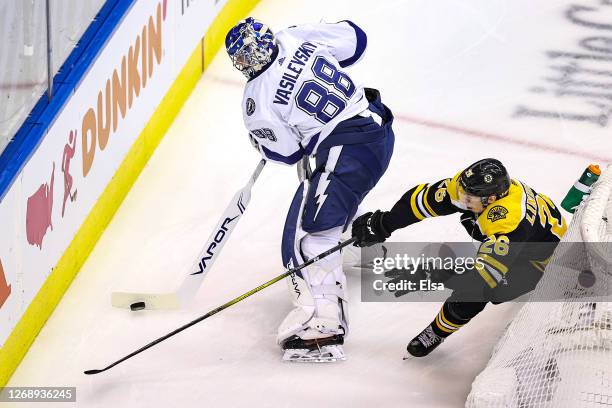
320 308
317 291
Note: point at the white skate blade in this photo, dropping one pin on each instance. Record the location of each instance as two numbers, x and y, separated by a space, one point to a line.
325 354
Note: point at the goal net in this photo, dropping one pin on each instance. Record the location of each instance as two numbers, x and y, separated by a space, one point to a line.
559 353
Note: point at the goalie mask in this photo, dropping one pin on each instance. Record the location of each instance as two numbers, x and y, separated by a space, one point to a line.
250 45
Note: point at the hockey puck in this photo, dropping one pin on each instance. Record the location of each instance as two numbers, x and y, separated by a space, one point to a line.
137 306
586 279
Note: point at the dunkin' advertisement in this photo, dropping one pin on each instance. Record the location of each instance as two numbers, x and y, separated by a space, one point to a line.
54 193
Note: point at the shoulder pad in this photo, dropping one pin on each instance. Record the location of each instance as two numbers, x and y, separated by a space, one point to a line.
504 215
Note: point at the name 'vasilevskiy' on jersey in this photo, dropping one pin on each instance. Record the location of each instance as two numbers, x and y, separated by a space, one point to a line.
288 80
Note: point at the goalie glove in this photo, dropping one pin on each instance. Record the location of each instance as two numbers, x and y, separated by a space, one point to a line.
369 229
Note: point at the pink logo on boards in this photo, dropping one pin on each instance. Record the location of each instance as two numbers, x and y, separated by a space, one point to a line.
5 288
69 150
38 213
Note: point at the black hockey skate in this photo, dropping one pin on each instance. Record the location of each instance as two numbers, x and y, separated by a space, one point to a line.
424 343
325 350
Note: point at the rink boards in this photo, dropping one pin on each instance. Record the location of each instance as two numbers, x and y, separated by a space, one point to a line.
93 149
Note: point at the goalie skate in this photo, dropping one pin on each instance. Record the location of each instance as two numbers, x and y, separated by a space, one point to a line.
326 350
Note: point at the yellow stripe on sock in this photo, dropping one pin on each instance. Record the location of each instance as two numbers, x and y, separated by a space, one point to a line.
445 320
443 328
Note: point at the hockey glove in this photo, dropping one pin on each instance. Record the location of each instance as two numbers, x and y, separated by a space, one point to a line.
470 223
369 229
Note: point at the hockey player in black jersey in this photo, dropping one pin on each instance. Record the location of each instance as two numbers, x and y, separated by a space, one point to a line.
502 213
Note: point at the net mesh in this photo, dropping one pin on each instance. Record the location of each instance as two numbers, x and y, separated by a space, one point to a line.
559 354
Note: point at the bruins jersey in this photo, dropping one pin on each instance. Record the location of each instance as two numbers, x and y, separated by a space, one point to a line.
521 216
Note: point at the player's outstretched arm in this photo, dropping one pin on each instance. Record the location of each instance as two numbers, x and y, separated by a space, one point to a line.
420 202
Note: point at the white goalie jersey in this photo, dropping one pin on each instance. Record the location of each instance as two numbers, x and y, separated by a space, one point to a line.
290 107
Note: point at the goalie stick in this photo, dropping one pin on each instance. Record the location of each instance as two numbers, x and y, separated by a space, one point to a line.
226 305
203 264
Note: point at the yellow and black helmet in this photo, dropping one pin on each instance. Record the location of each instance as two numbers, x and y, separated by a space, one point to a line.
485 178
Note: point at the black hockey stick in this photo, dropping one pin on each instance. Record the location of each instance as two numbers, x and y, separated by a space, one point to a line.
228 304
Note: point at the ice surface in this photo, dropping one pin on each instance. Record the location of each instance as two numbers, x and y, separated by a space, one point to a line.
454 73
